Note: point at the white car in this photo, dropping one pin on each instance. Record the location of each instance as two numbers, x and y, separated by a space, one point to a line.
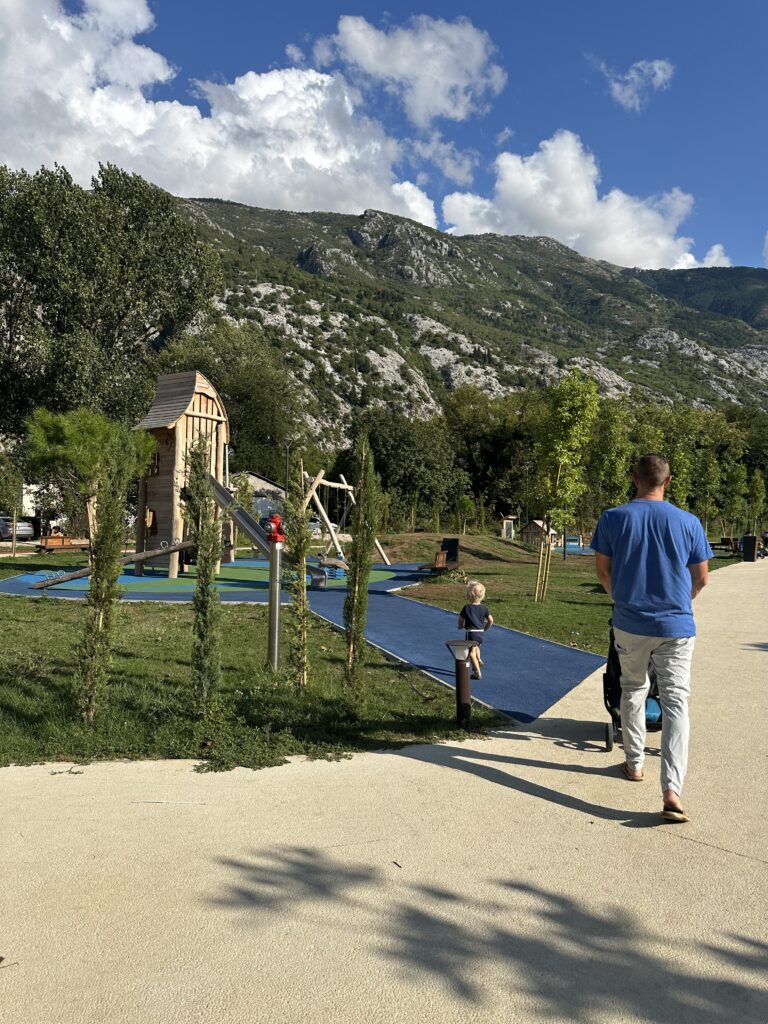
316 526
24 530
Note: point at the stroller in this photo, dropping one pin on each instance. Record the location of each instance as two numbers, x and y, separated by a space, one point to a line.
612 697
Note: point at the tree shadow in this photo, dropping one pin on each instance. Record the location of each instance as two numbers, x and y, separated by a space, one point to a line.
277 880
529 947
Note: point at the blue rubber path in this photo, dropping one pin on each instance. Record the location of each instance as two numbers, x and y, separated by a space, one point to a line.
523 676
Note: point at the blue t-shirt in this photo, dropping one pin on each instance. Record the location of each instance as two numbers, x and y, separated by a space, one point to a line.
652 543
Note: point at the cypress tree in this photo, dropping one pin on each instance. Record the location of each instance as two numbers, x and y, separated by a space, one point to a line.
365 524
205 531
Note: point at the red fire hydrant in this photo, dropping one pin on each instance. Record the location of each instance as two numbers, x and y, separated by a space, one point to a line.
274 529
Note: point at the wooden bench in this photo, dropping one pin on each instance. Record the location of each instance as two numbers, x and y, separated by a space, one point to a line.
58 542
447 557
730 544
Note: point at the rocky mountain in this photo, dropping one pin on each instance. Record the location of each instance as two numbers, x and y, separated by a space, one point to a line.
376 308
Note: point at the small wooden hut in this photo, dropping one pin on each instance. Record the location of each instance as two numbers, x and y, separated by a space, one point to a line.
186 405
535 531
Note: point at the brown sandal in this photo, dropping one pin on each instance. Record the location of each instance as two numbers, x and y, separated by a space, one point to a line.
628 777
674 815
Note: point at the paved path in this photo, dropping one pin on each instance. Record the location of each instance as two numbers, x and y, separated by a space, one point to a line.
502 881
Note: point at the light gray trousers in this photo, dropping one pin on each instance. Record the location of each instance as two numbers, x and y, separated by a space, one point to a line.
670 658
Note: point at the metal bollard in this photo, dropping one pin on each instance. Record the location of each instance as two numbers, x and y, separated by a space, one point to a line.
460 650
276 538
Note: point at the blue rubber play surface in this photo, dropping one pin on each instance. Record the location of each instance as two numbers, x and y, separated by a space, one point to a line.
523 676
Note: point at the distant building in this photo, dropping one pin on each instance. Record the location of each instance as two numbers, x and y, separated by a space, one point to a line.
268 497
535 531
508 527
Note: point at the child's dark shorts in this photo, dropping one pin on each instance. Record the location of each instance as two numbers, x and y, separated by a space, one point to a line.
475 634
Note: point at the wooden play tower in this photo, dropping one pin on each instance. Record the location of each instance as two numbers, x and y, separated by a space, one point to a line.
186 405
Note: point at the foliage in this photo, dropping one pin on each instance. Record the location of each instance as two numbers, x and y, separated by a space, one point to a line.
92 459
92 282
299 541
260 397
608 457
124 455
569 410
243 492
756 499
365 523
205 531
734 490
11 481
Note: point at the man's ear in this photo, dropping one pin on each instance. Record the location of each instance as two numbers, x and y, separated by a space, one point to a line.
667 482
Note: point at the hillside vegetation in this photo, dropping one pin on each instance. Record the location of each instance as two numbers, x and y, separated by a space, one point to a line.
375 308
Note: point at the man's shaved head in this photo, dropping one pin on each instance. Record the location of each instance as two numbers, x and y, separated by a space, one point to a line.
652 470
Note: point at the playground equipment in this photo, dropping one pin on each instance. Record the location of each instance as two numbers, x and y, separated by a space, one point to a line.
349 493
138 557
186 405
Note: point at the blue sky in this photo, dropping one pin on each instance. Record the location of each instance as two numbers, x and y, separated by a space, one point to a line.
634 133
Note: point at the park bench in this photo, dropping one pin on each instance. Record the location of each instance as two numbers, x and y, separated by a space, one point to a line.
61 543
447 557
730 544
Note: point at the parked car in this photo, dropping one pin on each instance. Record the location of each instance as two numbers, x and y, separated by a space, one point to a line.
317 527
24 530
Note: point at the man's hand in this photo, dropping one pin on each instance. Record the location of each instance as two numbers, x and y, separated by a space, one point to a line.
699 577
603 565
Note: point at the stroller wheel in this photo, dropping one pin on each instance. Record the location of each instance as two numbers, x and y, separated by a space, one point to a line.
609 737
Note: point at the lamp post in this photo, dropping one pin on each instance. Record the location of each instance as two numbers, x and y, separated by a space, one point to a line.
460 650
288 444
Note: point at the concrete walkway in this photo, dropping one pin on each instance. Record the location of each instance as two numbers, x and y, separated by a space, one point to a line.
516 879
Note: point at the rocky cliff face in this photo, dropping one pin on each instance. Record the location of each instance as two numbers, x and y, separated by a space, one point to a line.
378 309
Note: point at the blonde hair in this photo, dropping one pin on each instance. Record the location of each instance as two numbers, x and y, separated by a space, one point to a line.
475 591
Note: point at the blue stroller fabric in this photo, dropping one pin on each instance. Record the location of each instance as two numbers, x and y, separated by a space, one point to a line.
652 709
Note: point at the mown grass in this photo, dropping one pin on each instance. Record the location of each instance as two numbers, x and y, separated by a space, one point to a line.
260 719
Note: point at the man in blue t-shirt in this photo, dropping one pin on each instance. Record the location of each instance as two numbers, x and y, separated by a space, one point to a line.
651 558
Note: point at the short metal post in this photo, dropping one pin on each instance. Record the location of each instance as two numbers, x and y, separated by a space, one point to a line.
273 627
463 693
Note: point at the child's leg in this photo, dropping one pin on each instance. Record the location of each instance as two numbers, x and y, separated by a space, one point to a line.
474 657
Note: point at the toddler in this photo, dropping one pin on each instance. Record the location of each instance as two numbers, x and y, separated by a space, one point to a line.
475 618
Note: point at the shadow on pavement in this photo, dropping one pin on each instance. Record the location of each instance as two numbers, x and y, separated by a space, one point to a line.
548 952
476 762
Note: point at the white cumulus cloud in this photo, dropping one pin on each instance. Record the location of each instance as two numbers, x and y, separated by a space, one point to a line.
634 88
438 68
76 89
457 165
554 192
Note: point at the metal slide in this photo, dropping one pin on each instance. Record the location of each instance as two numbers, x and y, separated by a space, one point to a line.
238 514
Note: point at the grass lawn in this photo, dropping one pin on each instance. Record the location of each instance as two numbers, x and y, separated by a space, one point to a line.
261 720
576 609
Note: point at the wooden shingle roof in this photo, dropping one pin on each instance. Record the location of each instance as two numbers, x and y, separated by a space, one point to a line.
174 397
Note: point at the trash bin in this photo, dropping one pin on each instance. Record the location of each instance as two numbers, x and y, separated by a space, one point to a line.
749 548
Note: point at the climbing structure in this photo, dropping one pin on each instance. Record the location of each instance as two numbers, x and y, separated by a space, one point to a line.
186 405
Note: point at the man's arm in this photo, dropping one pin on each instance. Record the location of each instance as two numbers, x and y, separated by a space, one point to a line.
603 565
699 577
